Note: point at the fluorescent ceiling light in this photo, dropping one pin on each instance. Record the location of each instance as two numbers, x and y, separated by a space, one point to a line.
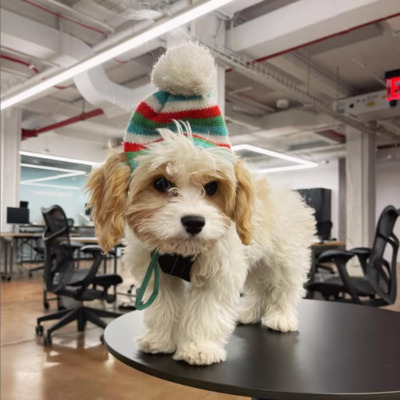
52 186
57 158
157 29
288 168
51 168
301 164
50 178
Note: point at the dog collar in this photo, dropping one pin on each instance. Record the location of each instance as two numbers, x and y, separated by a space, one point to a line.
171 264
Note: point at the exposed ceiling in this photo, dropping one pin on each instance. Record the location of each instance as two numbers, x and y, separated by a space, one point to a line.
286 62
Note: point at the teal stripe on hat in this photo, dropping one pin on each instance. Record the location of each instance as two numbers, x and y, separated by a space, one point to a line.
180 98
210 130
161 96
134 129
131 155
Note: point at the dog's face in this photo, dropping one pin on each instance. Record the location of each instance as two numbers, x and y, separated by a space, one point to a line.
180 199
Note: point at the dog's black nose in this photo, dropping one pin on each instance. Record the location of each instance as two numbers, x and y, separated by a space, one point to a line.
193 223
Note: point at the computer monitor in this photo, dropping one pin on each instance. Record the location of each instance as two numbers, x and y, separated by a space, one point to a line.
17 215
23 204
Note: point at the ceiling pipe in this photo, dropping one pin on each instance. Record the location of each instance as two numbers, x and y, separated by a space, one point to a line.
28 133
30 66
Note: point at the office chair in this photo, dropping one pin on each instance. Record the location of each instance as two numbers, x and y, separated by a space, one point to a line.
378 286
63 279
39 257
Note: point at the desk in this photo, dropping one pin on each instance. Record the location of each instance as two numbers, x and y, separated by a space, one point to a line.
9 240
341 352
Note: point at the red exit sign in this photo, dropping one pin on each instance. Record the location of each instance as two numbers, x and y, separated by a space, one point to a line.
393 85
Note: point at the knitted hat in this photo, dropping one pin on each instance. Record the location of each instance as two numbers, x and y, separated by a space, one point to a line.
186 78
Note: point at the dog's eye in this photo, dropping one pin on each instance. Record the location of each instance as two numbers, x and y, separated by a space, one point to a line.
162 184
211 187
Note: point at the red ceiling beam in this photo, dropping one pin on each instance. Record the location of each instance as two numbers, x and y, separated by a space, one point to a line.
28 133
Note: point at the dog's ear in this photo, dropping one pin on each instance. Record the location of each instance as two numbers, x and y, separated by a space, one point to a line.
108 190
243 203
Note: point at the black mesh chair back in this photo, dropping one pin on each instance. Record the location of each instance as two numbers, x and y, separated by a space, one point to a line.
381 266
58 254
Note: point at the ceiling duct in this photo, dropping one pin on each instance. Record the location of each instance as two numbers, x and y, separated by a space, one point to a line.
32 37
131 9
271 78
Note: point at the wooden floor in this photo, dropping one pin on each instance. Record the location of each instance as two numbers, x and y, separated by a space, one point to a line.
77 366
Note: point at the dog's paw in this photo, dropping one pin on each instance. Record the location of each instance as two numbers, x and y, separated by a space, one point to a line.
248 316
200 354
281 322
155 344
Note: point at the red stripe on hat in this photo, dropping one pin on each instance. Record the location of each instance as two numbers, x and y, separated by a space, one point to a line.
147 112
128 146
134 146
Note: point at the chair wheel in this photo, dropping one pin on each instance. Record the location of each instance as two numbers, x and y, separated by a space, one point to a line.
39 330
46 305
47 341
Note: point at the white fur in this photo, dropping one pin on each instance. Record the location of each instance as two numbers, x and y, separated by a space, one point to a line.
194 320
186 70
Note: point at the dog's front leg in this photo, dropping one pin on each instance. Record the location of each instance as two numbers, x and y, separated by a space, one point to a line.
283 289
161 317
209 317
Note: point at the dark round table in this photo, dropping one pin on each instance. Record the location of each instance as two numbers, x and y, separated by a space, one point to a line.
342 351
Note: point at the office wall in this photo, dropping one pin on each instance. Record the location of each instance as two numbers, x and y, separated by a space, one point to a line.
327 176
324 176
72 200
388 188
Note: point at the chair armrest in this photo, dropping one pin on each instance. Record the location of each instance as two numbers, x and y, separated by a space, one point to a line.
76 245
72 245
333 255
92 249
362 253
340 258
97 254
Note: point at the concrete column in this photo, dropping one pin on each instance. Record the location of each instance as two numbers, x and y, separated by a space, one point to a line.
342 200
10 140
210 30
360 188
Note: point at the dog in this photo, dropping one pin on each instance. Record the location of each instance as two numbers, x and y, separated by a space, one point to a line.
249 240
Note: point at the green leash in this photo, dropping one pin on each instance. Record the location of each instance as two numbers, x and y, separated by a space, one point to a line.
153 268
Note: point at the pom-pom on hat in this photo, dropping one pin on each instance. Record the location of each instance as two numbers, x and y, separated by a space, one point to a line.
186 77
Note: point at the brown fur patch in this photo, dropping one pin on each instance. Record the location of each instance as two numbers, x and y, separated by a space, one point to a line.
108 188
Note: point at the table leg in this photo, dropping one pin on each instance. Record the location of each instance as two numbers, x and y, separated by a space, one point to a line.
11 259
5 244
